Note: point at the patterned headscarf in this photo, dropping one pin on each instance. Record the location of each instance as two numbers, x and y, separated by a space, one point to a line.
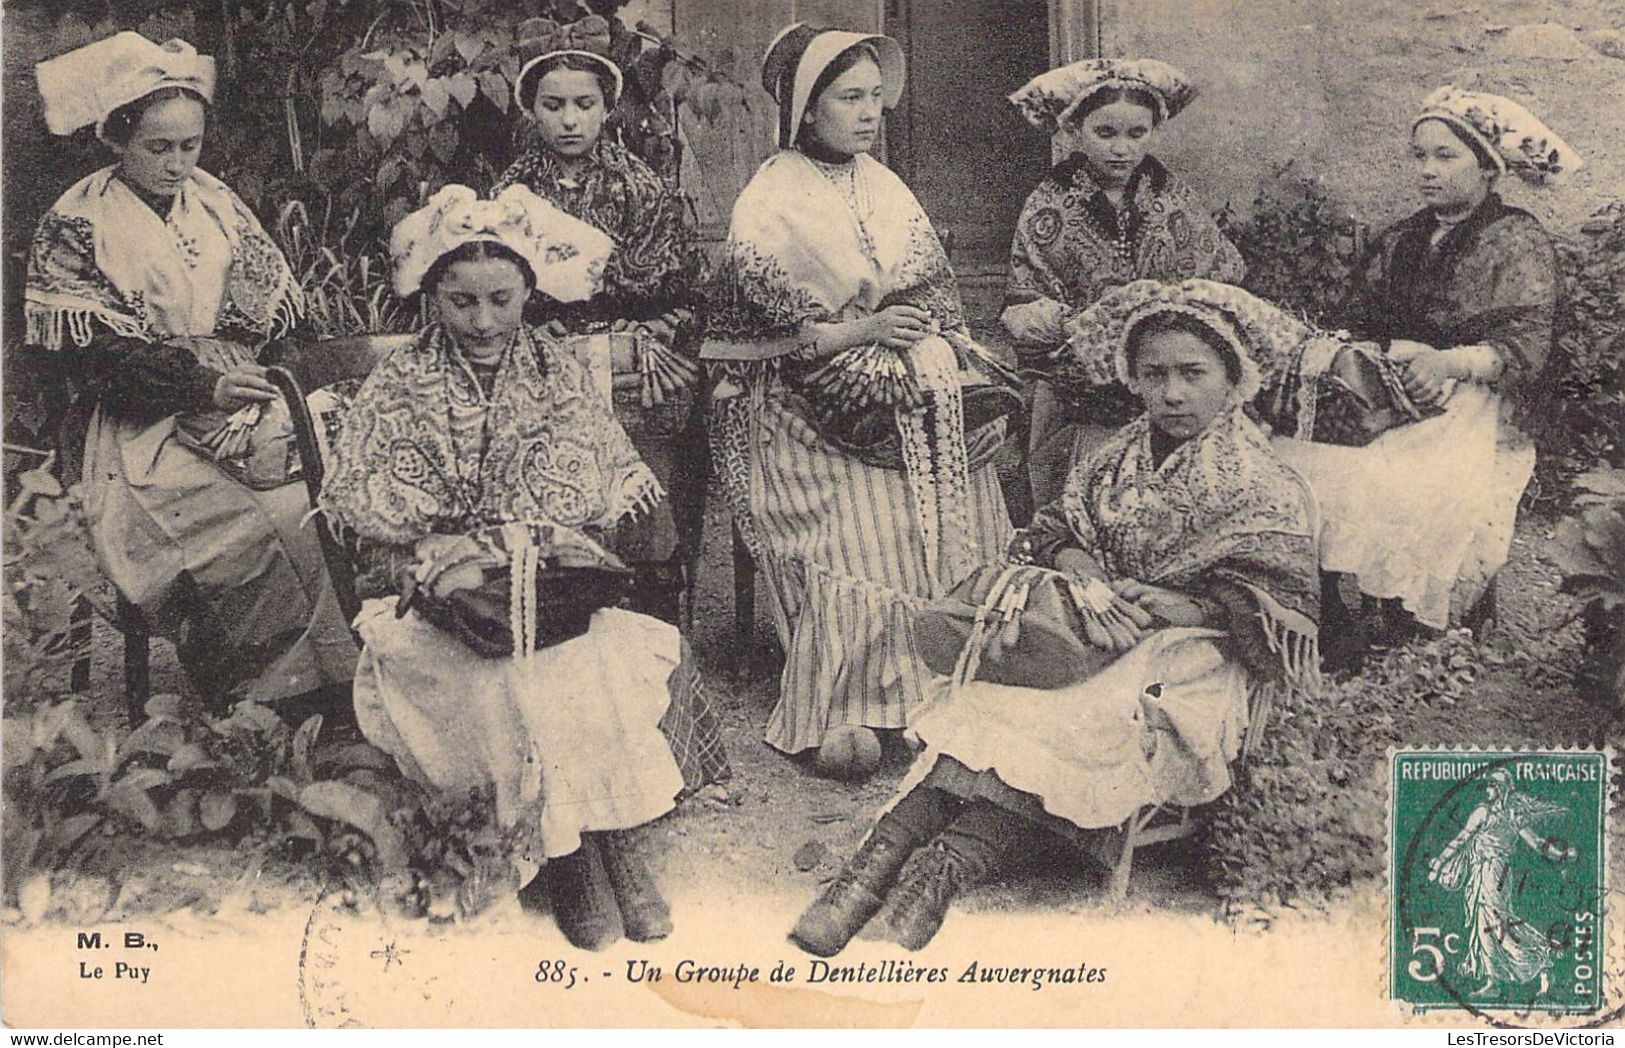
1050 100
85 86
1263 338
1512 136
566 255
546 40
800 53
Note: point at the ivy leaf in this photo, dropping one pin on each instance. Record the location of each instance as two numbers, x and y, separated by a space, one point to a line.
443 140
436 97
469 46
462 87
495 87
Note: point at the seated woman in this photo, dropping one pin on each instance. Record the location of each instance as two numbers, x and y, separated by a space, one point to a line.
857 424
649 285
1107 214
162 286
1464 292
1197 541
469 456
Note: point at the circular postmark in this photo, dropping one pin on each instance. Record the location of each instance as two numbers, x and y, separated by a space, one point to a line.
359 969
1496 911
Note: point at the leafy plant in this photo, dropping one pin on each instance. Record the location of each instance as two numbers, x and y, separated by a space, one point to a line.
1589 423
49 568
1298 242
1306 820
1589 548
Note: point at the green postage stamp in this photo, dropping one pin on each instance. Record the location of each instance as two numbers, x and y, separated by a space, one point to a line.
1497 880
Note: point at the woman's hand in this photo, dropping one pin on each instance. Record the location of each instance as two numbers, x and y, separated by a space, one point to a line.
1038 322
896 327
1171 607
1431 377
243 385
1078 564
1401 350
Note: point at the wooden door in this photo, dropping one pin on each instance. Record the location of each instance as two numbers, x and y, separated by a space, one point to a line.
954 139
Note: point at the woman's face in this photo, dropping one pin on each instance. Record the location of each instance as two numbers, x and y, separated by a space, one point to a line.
480 302
1182 381
570 111
1113 140
164 146
1449 176
846 117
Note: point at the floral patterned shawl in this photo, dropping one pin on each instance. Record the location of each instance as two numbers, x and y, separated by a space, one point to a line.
1221 510
1492 279
102 255
1070 247
424 450
656 265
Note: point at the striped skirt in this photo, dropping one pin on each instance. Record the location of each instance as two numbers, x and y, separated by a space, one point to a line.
845 567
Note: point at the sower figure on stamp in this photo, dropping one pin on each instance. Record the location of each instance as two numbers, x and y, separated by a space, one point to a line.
1107 214
161 288
1501 947
640 326
483 474
1183 552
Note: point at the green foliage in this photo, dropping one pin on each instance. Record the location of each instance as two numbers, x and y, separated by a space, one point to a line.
1589 426
1298 242
425 97
1307 820
49 567
1589 548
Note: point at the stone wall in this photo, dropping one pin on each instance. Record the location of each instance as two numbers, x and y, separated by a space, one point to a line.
1331 85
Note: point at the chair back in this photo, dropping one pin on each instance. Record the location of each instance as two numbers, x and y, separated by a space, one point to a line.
298 368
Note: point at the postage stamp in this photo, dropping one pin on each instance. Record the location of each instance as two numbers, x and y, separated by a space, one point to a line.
1497 882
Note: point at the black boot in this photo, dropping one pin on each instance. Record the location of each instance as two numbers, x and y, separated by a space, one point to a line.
583 901
933 877
644 912
854 896
980 840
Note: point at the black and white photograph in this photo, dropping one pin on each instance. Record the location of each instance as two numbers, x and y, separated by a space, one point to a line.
758 514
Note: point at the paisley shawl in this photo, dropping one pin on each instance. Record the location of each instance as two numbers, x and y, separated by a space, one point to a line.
1069 247
102 256
656 265
1220 508
425 451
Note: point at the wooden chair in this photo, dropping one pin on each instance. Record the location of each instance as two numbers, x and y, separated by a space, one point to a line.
300 368
1160 823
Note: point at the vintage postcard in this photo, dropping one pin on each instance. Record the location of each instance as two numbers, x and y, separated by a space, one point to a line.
717 513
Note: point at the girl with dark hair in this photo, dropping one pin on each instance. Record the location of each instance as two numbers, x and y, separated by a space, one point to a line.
641 324
1107 214
469 459
163 287
1463 295
857 419
1190 547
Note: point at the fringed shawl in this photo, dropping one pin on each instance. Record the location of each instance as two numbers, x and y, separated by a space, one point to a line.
1220 509
102 255
424 450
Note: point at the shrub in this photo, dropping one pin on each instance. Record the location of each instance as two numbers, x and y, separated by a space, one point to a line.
1306 821
1590 413
1299 243
1589 548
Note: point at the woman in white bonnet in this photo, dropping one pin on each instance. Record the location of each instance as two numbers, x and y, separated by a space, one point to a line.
161 286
